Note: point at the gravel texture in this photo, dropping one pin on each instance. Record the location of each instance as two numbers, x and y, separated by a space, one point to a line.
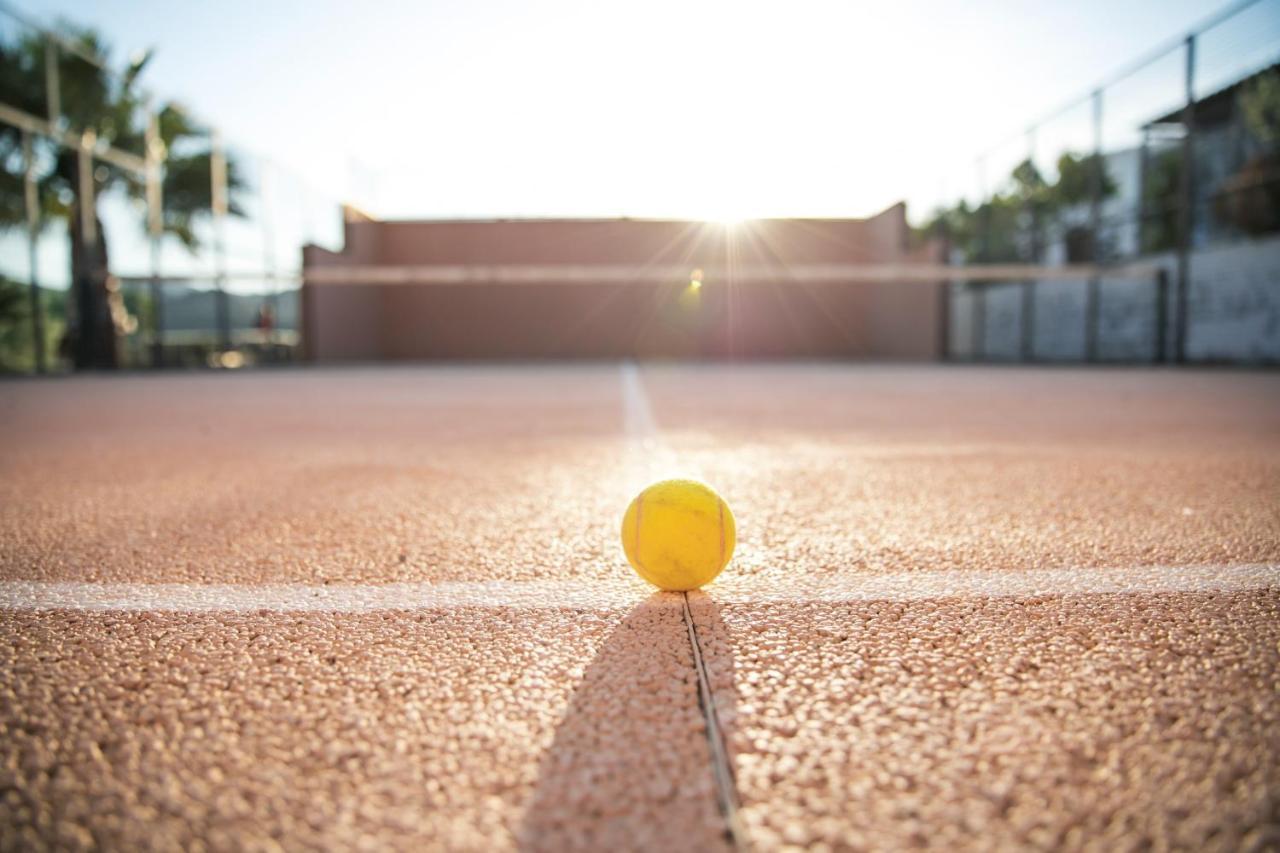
969 608
459 729
1063 722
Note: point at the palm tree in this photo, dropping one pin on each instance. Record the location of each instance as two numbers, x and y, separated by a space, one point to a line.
113 107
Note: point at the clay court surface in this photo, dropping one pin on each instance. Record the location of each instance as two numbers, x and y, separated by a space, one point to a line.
387 608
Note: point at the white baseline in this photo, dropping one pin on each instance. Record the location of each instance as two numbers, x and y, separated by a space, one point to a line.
625 592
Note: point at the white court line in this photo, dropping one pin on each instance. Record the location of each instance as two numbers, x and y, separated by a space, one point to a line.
650 457
625 593
637 414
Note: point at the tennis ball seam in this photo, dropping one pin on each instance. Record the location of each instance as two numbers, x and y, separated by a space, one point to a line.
720 510
636 548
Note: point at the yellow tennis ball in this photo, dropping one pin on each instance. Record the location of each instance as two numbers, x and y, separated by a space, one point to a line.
678 534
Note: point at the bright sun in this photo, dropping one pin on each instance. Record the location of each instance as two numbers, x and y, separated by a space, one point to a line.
727 207
725 218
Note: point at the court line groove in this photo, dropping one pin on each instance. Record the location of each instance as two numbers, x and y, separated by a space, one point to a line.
721 767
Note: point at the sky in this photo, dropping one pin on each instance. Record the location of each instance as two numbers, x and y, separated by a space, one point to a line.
649 108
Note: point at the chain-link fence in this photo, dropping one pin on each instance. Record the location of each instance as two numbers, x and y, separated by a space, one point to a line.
131 232
1174 160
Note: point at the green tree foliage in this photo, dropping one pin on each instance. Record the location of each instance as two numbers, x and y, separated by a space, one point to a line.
1260 106
113 107
1009 225
1160 193
1249 200
17 352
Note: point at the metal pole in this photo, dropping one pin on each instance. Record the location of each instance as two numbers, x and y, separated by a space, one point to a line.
1092 296
1186 213
984 250
1144 177
1161 285
52 84
944 291
155 228
944 321
32 204
88 306
1162 315
1029 287
88 226
269 261
218 176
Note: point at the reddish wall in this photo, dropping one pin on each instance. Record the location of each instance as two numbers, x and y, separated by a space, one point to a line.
618 320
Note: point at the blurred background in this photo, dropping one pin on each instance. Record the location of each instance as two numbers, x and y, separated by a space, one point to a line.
262 184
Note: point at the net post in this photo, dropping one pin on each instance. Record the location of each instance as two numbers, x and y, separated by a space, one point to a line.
1186 213
31 204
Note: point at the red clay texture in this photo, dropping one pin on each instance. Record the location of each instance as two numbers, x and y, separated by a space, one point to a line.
1096 722
468 729
548 719
467 473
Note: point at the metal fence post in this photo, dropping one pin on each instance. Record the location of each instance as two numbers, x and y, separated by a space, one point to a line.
52 84
1092 297
1162 315
32 204
1029 287
1186 212
943 242
269 262
87 303
1144 178
218 177
984 251
155 226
